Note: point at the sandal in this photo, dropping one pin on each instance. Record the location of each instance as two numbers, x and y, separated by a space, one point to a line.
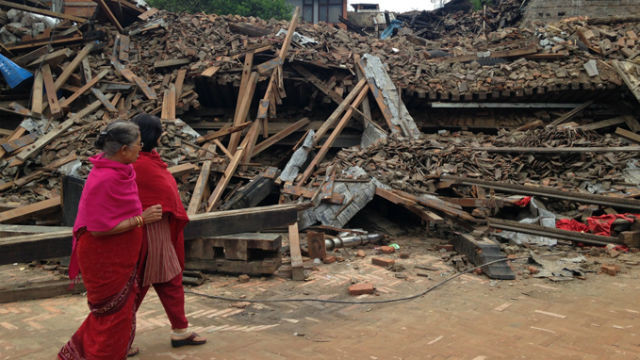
190 340
133 351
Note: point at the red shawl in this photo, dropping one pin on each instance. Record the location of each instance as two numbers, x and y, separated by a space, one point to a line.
156 185
109 196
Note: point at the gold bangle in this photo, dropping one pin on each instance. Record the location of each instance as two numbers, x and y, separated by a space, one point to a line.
141 220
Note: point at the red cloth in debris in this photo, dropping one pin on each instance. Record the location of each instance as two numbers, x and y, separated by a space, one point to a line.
598 225
571 225
523 202
601 225
108 266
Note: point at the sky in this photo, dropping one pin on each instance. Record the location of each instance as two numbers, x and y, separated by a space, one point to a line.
398 5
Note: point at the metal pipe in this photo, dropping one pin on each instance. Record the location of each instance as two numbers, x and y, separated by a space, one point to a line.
349 240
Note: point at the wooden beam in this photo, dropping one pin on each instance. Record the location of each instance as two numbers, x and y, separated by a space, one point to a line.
223 149
52 98
52 58
147 14
571 113
410 205
226 177
221 133
243 110
557 150
58 244
35 10
37 105
73 65
67 102
109 13
629 135
331 120
297 266
38 290
604 123
30 210
247 78
104 100
338 129
318 83
29 45
280 135
198 191
182 169
544 191
182 73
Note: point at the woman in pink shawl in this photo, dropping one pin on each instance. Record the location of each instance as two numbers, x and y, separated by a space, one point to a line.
106 248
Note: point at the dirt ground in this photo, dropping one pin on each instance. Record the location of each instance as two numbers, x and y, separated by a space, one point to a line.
471 317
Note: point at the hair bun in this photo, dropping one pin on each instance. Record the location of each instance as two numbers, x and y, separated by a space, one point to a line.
101 139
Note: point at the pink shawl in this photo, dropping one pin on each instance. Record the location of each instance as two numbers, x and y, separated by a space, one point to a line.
109 196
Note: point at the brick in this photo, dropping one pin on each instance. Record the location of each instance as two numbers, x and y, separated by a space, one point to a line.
382 262
404 255
244 278
610 269
533 270
361 253
447 247
362 288
386 249
330 259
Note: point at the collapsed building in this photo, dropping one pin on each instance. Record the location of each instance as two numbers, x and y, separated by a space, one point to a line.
474 126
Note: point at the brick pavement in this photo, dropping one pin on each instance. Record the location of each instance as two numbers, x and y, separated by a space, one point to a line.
470 318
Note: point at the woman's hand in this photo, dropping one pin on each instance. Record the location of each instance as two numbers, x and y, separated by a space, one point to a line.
152 214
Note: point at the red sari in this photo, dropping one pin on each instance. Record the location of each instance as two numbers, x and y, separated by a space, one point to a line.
107 263
157 186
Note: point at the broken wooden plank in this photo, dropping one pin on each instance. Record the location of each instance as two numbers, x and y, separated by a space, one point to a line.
110 16
410 205
23 46
169 104
280 135
570 114
53 58
336 131
67 102
27 211
182 73
210 71
331 120
73 65
221 133
44 12
297 266
13 145
243 109
182 169
104 100
268 66
160 64
37 105
199 189
216 195
49 86
147 14
603 123
629 135
308 75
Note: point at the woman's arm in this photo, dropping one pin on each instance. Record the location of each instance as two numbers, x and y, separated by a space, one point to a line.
150 215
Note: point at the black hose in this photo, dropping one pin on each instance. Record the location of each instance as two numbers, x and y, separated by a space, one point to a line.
365 302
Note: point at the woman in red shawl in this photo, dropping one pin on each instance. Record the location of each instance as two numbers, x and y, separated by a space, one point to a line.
106 247
162 257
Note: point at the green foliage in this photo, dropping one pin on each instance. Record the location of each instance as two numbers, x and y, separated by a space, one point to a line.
479 4
265 9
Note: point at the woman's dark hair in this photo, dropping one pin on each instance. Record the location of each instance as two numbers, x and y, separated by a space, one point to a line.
118 133
150 130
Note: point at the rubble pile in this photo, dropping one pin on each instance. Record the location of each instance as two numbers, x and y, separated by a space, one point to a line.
416 166
457 18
